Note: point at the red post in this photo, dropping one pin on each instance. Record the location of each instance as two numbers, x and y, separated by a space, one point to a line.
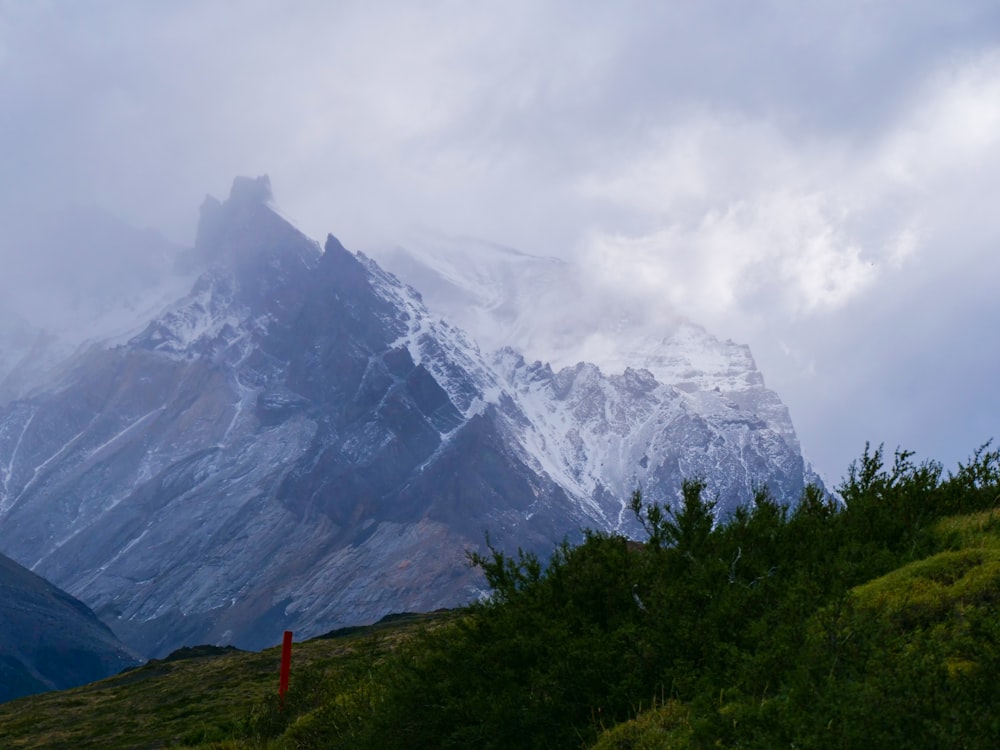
286 665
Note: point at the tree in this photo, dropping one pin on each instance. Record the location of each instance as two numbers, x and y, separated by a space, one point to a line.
686 528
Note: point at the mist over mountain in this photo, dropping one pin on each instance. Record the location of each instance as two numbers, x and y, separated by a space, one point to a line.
76 276
556 312
298 442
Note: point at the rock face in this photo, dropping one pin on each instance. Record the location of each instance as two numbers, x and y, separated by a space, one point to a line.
48 639
299 444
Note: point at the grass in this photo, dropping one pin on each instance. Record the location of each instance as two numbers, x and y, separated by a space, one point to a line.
663 727
926 590
203 700
980 529
966 573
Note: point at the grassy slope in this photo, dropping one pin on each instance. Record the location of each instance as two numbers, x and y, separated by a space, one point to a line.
202 701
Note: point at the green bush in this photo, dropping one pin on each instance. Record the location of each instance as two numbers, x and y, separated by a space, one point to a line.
864 623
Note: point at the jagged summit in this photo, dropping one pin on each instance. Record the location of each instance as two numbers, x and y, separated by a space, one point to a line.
245 192
333 244
245 226
251 190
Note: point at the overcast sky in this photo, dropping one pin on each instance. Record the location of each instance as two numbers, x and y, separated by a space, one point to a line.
820 180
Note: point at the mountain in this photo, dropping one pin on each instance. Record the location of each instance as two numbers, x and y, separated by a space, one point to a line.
299 443
48 639
557 312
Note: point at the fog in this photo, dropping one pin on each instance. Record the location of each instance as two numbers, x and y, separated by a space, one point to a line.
817 180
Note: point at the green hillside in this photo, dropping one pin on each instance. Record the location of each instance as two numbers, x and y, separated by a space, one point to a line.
873 624
200 697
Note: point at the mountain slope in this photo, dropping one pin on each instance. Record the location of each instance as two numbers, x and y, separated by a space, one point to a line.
48 639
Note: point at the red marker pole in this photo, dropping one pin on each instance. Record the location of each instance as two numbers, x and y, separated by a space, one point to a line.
286 665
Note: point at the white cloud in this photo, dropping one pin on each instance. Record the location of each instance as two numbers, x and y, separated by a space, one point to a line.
952 127
743 220
773 169
726 234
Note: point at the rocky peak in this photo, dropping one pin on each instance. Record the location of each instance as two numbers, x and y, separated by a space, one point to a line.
245 228
246 194
246 239
251 190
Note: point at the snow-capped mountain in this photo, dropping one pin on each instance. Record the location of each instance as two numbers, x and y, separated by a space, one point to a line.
552 311
299 443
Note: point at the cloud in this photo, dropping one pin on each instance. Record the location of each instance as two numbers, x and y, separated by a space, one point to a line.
855 262
953 123
743 219
782 172
727 239
782 247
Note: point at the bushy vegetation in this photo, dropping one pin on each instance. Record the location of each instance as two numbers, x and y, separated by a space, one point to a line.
871 622
867 623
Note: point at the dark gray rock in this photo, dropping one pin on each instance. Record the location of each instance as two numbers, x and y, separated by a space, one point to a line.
48 639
